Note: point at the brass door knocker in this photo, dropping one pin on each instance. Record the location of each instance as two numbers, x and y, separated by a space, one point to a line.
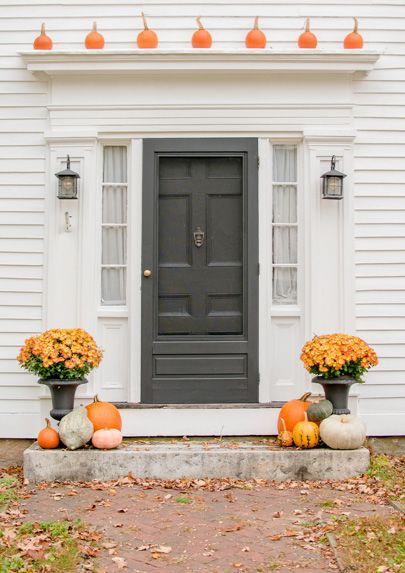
198 237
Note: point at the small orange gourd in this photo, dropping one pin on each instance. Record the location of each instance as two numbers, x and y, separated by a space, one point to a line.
201 37
94 40
293 412
306 434
354 40
307 38
43 42
103 415
48 438
255 38
147 39
285 438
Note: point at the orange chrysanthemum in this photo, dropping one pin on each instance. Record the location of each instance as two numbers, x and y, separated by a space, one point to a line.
60 353
334 355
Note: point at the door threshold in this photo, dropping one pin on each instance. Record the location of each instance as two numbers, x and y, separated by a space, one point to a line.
234 406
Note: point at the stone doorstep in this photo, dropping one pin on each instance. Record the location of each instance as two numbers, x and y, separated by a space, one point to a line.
194 460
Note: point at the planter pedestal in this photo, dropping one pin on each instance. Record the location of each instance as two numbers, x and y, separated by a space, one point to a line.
336 391
63 395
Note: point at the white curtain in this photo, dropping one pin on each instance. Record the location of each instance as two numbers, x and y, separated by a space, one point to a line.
284 225
114 231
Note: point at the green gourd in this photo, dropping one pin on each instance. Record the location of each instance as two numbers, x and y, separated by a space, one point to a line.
318 411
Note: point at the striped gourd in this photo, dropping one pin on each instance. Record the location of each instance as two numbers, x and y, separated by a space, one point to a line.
306 434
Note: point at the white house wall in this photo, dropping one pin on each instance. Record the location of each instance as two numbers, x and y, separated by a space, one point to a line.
89 109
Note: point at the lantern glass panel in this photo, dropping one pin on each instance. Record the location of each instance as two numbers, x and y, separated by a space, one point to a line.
67 187
333 187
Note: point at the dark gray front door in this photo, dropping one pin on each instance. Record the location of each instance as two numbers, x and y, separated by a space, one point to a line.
200 271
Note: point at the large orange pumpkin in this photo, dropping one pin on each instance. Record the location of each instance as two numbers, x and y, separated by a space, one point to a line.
103 415
201 37
48 438
43 42
147 39
354 40
307 38
94 40
255 38
293 412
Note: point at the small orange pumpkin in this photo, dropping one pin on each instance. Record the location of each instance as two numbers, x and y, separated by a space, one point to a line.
255 38
306 434
103 415
285 438
201 37
293 412
94 40
48 437
43 42
147 39
106 439
354 40
307 38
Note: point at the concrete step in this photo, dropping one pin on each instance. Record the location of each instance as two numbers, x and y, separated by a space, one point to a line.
194 459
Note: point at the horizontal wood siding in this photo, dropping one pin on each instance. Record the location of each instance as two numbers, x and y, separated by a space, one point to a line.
378 114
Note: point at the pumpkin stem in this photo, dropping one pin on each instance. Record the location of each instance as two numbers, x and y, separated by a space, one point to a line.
94 26
43 33
283 424
145 23
256 23
96 398
305 397
307 28
48 423
356 25
305 417
200 24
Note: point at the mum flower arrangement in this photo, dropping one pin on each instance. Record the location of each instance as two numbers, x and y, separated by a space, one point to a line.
60 353
336 355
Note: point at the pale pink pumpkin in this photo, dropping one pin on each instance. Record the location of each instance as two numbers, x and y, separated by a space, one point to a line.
106 439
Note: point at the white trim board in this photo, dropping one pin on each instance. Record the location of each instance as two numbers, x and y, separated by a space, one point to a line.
241 60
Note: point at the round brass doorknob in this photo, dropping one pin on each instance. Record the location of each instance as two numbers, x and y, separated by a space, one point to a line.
147 273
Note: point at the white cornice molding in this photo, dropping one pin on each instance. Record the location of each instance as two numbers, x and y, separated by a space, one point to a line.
143 61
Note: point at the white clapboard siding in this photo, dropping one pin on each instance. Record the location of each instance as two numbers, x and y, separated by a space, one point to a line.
378 115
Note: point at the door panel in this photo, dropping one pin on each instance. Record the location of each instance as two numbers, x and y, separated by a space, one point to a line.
200 242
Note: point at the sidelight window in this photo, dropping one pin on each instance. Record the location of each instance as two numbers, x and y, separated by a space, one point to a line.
114 226
285 223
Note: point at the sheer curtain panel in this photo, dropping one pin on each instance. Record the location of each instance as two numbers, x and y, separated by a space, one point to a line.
285 240
114 226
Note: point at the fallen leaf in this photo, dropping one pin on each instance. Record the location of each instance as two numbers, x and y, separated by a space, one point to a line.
162 549
123 510
275 537
277 514
120 562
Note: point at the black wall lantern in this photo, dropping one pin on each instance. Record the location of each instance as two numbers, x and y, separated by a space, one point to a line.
332 182
67 184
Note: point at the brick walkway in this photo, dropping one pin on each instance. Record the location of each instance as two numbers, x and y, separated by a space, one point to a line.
253 531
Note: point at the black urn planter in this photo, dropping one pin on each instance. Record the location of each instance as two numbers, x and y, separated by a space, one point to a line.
336 391
63 395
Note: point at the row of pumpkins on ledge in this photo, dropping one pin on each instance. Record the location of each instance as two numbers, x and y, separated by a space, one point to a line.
305 423
99 422
256 38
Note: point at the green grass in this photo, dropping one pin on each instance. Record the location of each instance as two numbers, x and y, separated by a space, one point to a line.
367 545
59 548
328 503
390 471
8 490
183 499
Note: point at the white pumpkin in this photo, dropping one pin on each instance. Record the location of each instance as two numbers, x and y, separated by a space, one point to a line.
344 432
